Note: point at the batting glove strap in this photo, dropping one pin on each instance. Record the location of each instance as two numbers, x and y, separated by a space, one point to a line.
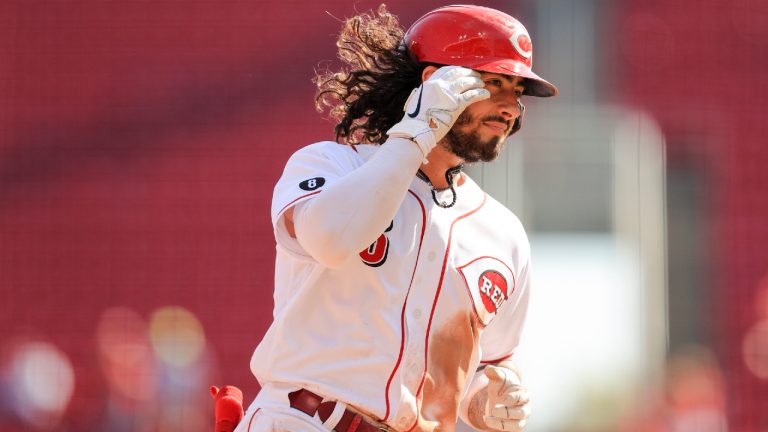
416 131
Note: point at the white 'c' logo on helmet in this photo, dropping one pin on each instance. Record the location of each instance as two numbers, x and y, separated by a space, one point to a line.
522 43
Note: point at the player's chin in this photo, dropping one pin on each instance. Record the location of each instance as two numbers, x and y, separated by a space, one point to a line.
487 153
475 146
491 149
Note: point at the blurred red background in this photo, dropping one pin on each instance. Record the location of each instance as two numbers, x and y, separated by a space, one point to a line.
140 140
699 67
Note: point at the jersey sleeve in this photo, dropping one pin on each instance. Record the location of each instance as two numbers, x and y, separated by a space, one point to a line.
307 172
502 335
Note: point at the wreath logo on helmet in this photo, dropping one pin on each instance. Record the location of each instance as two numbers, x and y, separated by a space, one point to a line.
522 43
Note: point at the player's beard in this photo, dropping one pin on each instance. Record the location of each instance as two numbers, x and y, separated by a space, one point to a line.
468 145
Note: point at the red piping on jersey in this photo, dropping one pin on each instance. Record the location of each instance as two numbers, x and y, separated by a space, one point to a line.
251 420
303 196
434 305
471 300
402 313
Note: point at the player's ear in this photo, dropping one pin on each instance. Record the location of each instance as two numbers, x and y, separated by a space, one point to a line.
427 72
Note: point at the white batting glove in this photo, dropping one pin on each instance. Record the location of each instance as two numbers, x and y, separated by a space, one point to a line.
433 107
508 405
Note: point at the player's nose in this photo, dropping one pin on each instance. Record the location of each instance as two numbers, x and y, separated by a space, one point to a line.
509 109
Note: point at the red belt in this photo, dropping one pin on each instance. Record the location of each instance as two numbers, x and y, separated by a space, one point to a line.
310 403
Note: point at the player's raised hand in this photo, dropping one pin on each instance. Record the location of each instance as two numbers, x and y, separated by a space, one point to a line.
433 107
508 405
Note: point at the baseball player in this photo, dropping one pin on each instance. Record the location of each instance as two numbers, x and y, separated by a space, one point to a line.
401 288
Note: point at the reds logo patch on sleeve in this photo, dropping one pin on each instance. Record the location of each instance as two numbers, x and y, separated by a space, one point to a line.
490 283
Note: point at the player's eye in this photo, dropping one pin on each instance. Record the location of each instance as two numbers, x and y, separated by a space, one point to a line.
494 82
519 92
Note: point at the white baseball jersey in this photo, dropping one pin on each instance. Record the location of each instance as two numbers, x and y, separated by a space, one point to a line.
398 329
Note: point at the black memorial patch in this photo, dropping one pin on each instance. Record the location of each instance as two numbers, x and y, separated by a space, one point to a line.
312 184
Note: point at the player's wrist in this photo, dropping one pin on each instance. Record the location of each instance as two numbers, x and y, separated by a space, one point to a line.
416 131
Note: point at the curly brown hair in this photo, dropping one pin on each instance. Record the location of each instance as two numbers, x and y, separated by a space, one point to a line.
367 95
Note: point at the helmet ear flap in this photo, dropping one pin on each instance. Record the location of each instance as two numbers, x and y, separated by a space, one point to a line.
519 120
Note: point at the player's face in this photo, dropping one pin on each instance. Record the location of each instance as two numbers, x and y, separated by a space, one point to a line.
480 131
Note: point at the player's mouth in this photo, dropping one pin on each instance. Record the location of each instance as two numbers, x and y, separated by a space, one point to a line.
497 126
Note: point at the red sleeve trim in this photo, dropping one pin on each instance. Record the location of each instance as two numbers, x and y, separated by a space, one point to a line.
294 201
506 357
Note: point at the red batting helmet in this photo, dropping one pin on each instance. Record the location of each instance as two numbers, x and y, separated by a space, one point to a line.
479 38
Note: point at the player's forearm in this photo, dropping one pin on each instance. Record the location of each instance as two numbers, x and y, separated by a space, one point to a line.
351 213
